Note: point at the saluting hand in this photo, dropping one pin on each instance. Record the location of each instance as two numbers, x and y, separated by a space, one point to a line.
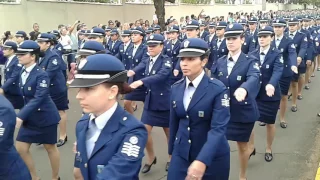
270 90
18 122
130 73
240 94
196 170
175 72
294 69
136 84
1 91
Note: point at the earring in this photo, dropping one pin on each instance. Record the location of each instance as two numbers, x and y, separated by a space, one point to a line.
111 97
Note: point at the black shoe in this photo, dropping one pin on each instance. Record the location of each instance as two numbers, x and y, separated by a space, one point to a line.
38 144
294 109
167 166
135 108
289 97
306 87
61 142
253 153
283 125
268 157
262 124
146 168
318 114
300 97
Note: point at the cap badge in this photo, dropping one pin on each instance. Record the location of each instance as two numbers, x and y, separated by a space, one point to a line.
151 37
82 45
251 18
186 44
190 22
39 36
82 63
263 27
291 19
91 30
218 24
231 26
277 20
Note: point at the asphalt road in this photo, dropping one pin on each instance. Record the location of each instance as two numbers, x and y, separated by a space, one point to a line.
296 149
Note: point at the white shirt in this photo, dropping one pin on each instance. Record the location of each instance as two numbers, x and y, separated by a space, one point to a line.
219 42
9 60
95 127
278 40
135 48
26 72
262 57
154 59
189 91
211 37
230 64
125 46
294 34
64 40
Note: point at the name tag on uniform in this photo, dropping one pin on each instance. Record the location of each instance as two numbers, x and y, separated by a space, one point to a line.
153 72
281 49
8 69
201 114
222 50
129 56
168 49
267 66
100 168
239 78
174 104
29 88
78 157
220 74
1 129
137 60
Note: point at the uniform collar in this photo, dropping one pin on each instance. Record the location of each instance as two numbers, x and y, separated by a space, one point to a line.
294 33
155 57
11 57
279 37
235 57
264 51
102 120
29 69
196 81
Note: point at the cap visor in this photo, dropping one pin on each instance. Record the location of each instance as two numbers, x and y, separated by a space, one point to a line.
21 52
190 54
230 35
81 53
152 44
81 83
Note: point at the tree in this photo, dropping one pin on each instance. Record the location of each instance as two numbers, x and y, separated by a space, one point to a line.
160 12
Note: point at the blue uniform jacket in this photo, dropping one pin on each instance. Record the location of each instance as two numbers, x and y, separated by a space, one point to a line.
300 41
172 52
207 39
12 75
271 72
117 153
141 54
123 56
254 37
310 48
11 165
204 34
156 82
249 44
216 52
245 74
182 37
198 133
39 109
51 63
289 55
115 49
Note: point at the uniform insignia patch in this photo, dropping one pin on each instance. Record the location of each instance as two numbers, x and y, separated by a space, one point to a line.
59 48
130 148
231 26
281 50
8 69
305 39
1 129
238 78
222 50
292 46
55 62
220 74
186 44
167 64
267 66
151 37
281 59
317 43
20 65
29 88
82 63
201 114
43 83
225 101
256 66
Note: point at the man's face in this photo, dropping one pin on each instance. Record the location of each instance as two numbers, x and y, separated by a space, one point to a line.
36 27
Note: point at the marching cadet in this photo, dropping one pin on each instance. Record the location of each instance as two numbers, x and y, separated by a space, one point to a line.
115 42
306 64
212 34
57 48
192 29
21 36
157 69
199 114
123 49
182 35
97 34
264 22
240 73
148 33
219 46
300 42
12 166
51 63
286 45
136 53
110 141
268 99
156 29
253 31
172 50
249 44
39 116
203 33
107 36
12 71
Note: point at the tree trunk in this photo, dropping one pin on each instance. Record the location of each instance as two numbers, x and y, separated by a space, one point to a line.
160 12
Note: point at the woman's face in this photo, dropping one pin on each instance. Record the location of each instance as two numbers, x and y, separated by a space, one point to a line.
192 66
264 41
97 99
234 43
26 59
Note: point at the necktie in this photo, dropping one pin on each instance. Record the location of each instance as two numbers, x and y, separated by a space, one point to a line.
190 84
113 44
90 142
150 64
134 50
262 57
230 59
24 76
291 34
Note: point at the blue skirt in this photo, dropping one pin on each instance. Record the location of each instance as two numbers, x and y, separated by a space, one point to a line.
218 170
284 83
17 171
16 101
61 101
240 132
43 135
156 118
268 111
138 94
